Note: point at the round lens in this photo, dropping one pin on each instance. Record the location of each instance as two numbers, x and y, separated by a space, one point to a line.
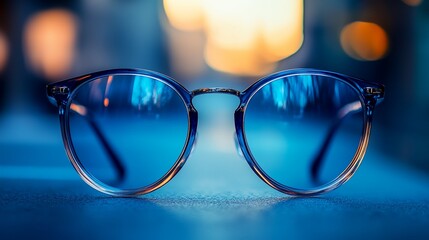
304 130
127 130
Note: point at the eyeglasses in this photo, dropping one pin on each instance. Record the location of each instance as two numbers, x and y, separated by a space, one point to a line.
128 132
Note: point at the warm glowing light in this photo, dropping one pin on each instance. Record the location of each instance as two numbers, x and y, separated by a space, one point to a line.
229 30
109 82
364 41
243 37
413 2
4 51
283 29
106 92
81 110
50 38
184 14
106 102
239 62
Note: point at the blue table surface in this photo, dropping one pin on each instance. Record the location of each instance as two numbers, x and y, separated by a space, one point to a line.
215 196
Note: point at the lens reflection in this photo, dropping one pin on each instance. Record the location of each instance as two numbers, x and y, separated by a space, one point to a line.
127 130
303 131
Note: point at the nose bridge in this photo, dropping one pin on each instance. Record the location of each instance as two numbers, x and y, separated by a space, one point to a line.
229 91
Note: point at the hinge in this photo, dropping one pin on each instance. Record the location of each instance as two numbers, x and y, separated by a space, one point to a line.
374 92
60 90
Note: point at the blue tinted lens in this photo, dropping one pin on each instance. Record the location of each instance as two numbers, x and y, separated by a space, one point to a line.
303 131
127 130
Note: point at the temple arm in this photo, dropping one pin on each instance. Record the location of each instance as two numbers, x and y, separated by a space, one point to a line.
113 157
345 111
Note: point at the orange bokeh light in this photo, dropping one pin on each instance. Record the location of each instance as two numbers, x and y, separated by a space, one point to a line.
413 2
364 41
249 43
237 61
81 110
4 51
184 14
49 40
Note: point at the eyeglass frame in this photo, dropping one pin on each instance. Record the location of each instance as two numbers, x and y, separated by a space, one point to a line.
61 94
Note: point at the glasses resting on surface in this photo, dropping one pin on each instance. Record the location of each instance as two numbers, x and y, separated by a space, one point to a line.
128 132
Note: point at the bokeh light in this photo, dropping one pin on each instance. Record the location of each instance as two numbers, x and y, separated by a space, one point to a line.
364 41
282 29
49 39
413 2
237 61
4 51
249 43
184 14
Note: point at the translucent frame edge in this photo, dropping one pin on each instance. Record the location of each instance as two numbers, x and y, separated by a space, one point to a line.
63 102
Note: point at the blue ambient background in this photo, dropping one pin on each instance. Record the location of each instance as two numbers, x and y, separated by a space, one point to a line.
215 195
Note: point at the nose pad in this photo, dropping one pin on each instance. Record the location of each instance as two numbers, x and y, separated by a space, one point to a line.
237 145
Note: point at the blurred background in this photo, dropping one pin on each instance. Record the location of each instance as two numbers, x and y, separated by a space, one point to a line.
205 43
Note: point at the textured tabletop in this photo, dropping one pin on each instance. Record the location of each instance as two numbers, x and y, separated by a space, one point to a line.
215 196
381 201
